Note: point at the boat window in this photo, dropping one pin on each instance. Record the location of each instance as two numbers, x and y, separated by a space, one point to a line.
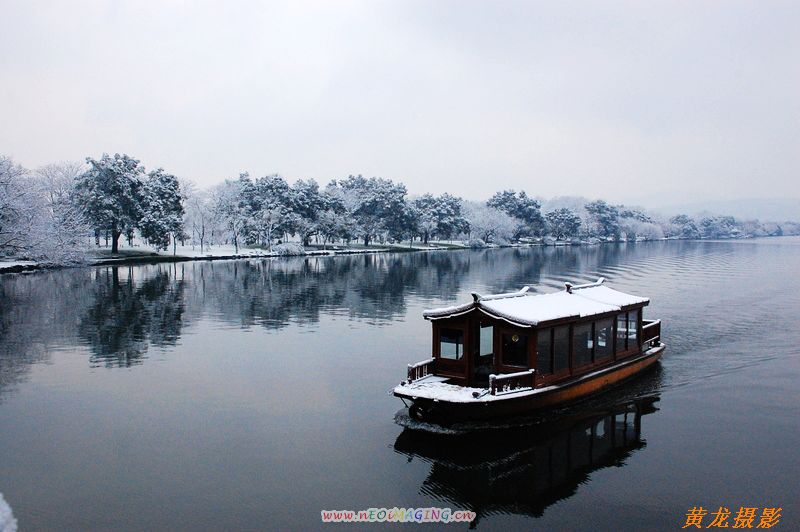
451 344
515 349
604 331
633 328
561 348
544 348
583 343
486 340
622 332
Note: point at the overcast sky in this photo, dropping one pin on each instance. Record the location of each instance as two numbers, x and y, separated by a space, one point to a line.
651 102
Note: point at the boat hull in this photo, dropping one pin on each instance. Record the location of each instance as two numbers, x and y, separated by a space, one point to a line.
511 404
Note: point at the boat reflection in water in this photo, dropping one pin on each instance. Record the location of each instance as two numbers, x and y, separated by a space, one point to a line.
525 469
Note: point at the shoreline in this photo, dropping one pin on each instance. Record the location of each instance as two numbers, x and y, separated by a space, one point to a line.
25 266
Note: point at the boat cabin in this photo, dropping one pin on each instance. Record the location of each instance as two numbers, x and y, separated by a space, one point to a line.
536 338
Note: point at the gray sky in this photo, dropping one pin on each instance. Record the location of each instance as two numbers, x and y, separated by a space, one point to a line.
651 102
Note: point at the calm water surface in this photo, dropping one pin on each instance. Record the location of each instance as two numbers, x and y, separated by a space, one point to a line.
252 394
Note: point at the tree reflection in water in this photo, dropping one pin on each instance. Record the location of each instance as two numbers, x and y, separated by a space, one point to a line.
128 316
119 312
38 312
525 469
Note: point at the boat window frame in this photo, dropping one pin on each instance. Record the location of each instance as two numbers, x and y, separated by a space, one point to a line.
461 344
620 350
566 371
500 330
594 321
580 368
476 326
632 345
481 325
610 338
550 332
637 331
455 368
556 374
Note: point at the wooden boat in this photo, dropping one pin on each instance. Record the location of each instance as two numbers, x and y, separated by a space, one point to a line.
515 353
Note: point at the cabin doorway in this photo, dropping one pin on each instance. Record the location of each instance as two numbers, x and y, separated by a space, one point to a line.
483 355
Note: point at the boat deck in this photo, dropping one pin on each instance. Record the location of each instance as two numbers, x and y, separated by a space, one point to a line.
437 388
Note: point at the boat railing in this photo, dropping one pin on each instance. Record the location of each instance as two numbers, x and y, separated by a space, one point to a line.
420 369
511 382
651 332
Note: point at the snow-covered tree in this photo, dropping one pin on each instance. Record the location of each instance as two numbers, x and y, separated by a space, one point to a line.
111 192
57 181
604 219
329 226
563 223
634 229
230 207
378 206
573 203
306 203
684 226
16 213
426 207
62 226
719 227
199 218
426 226
269 210
636 214
38 218
635 224
489 223
342 205
439 216
401 223
752 228
650 231
790 228
525 209
772 229
162 210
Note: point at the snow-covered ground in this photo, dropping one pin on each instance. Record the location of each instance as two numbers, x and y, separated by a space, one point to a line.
229 251
431 246
138 252
7 521
225 250
128 253
184 251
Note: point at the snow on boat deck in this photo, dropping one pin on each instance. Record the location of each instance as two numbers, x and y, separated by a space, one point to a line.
438 389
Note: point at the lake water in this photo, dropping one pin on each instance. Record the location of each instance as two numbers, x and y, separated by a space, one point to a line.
243 395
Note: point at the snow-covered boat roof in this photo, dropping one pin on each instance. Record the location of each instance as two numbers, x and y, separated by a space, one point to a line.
526 309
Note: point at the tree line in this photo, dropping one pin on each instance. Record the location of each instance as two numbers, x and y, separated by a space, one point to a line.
57 213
